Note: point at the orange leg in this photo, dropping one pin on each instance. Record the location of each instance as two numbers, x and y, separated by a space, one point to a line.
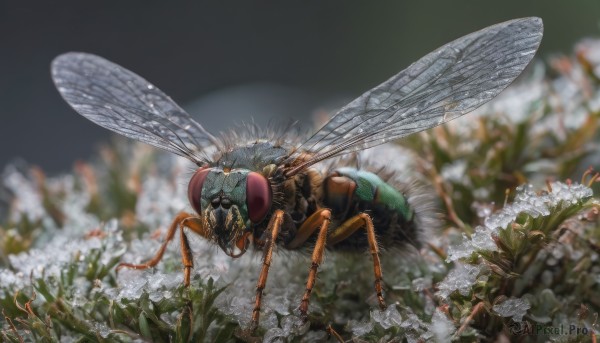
182 220
350 226
308 228
273 228
320 220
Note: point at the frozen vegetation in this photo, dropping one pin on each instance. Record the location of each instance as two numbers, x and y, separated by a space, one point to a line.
497 261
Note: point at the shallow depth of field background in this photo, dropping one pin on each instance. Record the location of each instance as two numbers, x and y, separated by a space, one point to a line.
242 60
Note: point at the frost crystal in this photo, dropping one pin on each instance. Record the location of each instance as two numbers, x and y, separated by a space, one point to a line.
516 101
28 200
460 279
388 318
160 200
51 259
274 335
421 284
455 171
360 329
513 307
526 201
441 327
9 279
102 329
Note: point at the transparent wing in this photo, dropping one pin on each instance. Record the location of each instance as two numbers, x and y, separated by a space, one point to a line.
445 84
122 101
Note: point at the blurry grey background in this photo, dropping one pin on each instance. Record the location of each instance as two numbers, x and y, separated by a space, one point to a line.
232 61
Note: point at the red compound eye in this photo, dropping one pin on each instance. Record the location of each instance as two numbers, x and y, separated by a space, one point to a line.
258 196
195 188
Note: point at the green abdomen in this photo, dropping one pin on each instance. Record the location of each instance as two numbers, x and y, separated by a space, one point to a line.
349 191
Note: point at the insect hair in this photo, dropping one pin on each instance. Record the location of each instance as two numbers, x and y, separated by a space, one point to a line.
287 134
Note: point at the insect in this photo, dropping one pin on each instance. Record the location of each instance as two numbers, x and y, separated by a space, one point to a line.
261 193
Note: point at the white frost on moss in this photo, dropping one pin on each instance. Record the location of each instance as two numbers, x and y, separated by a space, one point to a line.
591 49
51 259
455 172
360 329
461 279
517 102
291 326
421 284
74 205
392 317
160 199
388 318
11 280
441 328
526 201
515 308
156 284
27 200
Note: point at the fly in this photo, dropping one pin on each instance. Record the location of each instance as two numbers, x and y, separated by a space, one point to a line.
265 192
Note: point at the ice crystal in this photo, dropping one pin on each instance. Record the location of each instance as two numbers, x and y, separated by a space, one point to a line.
455 171
160 199
460 279
11 280
514 307
27 200
590 48
388 318
421 284
361 329
518 101
441 327
52 258
527 202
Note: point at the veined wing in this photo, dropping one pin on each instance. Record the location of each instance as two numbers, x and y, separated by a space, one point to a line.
445 84
122 101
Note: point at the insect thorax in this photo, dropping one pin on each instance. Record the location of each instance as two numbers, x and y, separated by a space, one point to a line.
254 156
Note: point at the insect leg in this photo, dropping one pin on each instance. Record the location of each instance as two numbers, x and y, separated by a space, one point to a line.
182 219
320 219
362 220
273 228
308 227
195 225
186 258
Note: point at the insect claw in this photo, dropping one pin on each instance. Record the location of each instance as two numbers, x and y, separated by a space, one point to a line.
303 311
382 304
247 334
303 316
